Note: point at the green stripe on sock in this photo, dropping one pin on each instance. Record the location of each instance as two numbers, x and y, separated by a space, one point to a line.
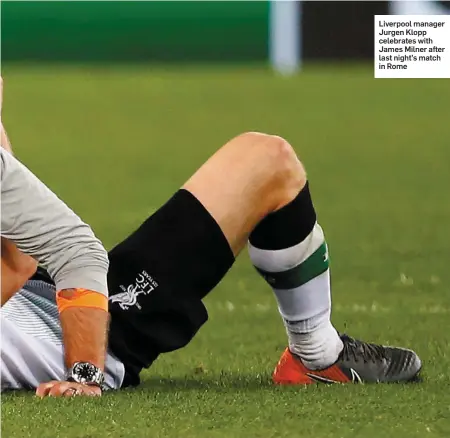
311 268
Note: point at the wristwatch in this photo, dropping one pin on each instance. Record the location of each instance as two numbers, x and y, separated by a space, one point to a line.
86 373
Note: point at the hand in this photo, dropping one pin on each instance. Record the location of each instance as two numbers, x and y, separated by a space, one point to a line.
67 389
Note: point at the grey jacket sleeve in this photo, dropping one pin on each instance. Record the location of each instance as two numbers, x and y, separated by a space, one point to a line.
42 226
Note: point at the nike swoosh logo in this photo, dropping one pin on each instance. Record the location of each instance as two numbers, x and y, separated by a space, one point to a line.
355 378
321 379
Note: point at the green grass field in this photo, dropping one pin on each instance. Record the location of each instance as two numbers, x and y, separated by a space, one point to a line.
116 142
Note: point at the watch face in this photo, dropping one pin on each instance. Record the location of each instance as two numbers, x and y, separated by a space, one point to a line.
84 372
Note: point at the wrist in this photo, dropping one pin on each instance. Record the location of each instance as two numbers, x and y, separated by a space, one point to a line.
86 373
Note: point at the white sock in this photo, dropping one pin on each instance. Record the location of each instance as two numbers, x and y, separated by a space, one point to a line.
300 278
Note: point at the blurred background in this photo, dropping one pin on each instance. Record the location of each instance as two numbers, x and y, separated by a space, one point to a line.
151 89
192 31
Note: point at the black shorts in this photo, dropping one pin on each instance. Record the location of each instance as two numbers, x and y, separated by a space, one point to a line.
157 279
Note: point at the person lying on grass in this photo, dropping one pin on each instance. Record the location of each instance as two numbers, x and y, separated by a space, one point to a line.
252 192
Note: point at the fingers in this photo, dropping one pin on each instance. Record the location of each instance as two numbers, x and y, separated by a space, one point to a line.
67 389
93 391
44 388
70 392
60 388
79 389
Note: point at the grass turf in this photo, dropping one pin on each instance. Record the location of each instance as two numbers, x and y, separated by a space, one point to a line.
116 142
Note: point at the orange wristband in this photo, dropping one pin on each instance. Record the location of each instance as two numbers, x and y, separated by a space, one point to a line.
82 298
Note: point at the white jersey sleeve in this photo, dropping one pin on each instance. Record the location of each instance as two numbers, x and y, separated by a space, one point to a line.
44 227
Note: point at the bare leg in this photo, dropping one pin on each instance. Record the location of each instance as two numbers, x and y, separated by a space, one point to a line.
251 176
255 188
244 186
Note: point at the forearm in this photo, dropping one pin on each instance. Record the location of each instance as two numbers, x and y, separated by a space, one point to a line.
85 335
84 332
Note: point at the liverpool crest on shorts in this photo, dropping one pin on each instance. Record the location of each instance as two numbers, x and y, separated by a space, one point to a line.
144 284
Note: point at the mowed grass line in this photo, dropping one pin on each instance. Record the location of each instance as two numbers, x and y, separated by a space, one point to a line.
116 142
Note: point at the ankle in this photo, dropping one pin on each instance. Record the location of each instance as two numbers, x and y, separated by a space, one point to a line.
317 349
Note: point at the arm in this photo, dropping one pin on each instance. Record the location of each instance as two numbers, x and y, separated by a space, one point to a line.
43 227
88 345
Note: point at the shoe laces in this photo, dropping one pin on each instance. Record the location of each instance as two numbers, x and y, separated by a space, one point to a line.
357 350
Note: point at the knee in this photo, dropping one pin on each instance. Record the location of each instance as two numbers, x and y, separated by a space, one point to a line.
278 156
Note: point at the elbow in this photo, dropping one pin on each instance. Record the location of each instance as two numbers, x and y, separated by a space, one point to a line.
85 268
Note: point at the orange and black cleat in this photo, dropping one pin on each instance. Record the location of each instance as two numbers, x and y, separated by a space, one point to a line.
359 362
